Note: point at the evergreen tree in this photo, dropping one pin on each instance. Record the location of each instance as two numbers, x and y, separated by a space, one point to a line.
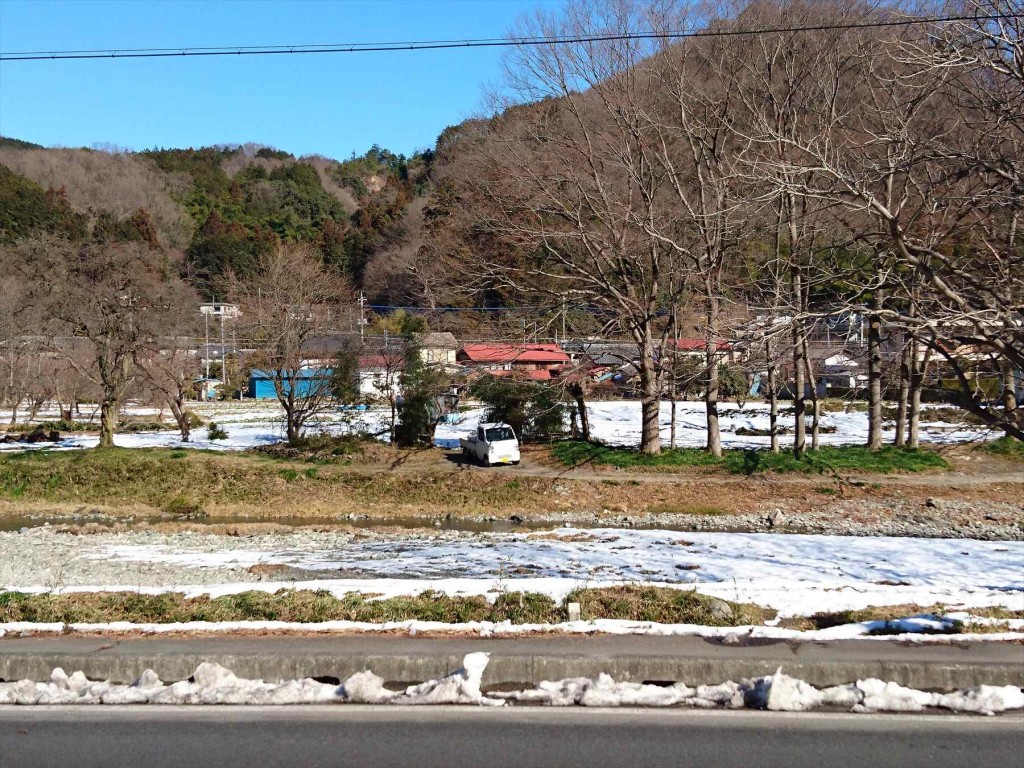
422 385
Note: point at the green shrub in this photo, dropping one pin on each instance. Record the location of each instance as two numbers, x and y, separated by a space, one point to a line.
532 409
183 506
216 432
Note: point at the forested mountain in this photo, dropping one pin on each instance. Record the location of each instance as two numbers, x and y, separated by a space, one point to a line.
222 208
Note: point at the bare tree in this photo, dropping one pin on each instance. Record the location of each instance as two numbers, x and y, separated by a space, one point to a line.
572 188
114 297
168 368
922 144
287 310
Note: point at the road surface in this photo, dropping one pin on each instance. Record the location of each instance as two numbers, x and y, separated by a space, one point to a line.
307 737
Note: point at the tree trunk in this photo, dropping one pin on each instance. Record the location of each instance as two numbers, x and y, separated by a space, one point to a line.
1009 393
14 411
799 397
291 430
290 426
177 407
711 396
815 400
672 423
650 398
674 377
875 375
108 421
917 372
904 402
581 408
773 408
714 438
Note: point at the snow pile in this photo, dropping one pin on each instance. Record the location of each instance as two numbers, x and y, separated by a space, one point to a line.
603 692
779 693
214 684
460 687
210 684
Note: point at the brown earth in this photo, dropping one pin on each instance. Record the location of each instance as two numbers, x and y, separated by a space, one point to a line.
981 490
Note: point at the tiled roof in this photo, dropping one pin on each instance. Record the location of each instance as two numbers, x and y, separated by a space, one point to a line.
513 353
437 340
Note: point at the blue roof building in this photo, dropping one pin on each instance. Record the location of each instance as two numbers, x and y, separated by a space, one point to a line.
310 381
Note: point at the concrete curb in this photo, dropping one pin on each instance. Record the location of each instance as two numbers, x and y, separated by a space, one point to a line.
520 662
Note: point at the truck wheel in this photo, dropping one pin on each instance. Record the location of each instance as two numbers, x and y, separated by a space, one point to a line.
487 461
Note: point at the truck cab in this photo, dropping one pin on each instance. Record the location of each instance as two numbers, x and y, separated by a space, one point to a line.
492 443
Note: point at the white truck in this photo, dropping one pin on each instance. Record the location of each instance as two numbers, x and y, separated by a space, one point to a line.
492 443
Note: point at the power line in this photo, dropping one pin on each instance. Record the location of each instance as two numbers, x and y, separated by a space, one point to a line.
427 45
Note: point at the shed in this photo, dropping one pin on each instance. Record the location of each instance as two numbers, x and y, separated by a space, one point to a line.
309 381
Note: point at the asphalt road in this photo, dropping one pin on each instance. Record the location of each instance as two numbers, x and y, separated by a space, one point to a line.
154 737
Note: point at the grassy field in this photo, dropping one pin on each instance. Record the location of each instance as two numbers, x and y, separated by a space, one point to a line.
827 459
333 481
626 602
181 482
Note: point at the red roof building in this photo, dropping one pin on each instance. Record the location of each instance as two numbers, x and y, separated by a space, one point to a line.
508 357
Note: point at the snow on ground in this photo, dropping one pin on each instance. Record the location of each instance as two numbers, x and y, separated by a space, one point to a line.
908 630
619 423
214 684
796 574
250 424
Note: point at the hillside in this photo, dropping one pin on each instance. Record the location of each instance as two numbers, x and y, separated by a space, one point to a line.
220 208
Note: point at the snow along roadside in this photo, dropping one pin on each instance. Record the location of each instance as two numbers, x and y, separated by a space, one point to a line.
917 629
214 684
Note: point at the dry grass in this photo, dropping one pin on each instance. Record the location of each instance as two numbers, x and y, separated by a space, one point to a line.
304 606
389 483
667 606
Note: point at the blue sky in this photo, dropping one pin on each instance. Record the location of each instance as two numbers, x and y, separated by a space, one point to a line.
330 104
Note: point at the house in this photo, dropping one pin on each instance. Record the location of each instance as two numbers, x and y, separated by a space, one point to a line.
437 348
502 356
604 354
841 372
380 373
220 310
697 348
310 381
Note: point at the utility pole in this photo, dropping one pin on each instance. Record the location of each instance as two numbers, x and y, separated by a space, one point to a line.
362 318
223 353
206 348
